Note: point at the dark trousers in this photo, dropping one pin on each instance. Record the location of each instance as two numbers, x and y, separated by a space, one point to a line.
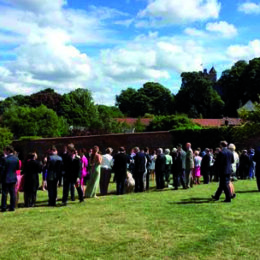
179 178
206 177
159 176
167 172
8 188
104 180
30 198
69 185
139 181
120 186
148 180
224 186
52 192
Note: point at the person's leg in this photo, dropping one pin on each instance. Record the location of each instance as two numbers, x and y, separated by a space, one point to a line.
11 188
4 196
65 191
187 176
157 179
107 181
144 181
226 189
148 180
191 178
102 181
72 191
220 189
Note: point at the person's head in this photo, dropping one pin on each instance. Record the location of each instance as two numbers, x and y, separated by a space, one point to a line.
159 151
174 150
82 152
196 153
207 150
71 149
198 149
32 156
8 150
167 151
53 150
223 144
121 149
95 149
179 147
109 150
136 149
188 146
244 152
146 150
217 150
211 151
232 147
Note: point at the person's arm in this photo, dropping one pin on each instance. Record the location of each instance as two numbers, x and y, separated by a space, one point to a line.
98 159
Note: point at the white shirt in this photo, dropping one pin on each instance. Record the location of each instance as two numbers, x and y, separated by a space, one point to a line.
107 161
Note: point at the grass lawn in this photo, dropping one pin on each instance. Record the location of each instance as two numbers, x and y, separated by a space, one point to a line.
169 224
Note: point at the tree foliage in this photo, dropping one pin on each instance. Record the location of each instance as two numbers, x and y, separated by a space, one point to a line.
40 121
197 97
152 98
6 138
172 122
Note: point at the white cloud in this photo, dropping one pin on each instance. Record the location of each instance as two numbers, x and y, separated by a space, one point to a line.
249 8
195 32
164 12
223 28
245 52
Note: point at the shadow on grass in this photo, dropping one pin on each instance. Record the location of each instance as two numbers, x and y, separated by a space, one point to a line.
193 201
247 191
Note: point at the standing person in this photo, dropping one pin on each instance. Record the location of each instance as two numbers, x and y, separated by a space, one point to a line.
54 171
205 166
152 165
31 171
8 176
147 167
119 169
139 169
244 165
232 148
189 166
252 164
106 170
181 167
95 163
216 166
168 167
72 176
226 159
256 159
160 164
18 186
84 169
197 165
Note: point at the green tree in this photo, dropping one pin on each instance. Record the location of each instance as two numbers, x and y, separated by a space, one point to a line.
79 109
6 138
171 122
197 97
40 121
112 111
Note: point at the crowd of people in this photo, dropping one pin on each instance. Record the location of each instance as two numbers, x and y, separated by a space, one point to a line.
88 171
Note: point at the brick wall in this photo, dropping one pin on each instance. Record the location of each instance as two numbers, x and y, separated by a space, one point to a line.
152 140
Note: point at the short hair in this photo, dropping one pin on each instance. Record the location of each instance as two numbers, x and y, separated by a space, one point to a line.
232 147
196 153
174 150
121 149
71 148
167 151
146 149
9 149
136 149
224 143
53 148
31 155
109 150
179 145
160 150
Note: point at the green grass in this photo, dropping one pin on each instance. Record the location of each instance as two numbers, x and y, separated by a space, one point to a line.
181 224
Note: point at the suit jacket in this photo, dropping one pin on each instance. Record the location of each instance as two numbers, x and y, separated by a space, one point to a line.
120 166
226 158
160 164
54 167
205 164
140 161
31 171
9 168
189 159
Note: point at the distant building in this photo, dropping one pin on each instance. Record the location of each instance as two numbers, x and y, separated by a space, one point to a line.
249 106
211 75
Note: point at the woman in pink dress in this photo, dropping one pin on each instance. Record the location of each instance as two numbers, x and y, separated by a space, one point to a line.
197 164
18 185
84 171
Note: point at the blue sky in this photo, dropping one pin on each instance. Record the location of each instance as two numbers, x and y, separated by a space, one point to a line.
107 46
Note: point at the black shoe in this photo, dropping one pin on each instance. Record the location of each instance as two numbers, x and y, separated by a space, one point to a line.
64 204
233 196
214 198
81 201
11 209
227 201
3 210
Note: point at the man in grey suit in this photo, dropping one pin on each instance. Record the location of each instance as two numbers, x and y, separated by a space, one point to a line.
225 160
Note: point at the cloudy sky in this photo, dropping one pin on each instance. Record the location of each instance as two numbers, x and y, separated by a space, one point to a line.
109 45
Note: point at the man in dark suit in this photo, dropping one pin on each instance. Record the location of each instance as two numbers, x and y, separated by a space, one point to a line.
73 168
8 176
226 158
160 165
119 169
205 166
139 169
256 159
54 168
